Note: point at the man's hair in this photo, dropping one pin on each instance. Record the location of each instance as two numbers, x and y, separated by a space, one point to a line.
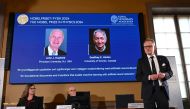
51 33
149 39
101 31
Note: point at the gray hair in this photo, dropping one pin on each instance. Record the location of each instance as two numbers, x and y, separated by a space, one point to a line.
149 39
101 31
57 30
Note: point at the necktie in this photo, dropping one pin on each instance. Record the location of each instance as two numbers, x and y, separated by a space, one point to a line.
53 53
155 82
153 65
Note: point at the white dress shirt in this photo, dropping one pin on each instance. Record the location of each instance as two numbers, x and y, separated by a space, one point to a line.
51 52
156 65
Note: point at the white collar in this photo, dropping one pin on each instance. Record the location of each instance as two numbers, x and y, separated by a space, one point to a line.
50 51
149 56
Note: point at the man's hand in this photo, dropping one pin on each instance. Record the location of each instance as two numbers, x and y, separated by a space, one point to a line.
153 76
161 75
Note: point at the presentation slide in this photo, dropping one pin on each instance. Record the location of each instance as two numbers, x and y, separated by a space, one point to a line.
71 48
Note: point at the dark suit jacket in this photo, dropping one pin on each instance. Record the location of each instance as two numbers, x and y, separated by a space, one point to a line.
35 103
60 52
144 69
80 101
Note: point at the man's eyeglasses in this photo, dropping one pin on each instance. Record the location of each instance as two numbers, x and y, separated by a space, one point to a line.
148 46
